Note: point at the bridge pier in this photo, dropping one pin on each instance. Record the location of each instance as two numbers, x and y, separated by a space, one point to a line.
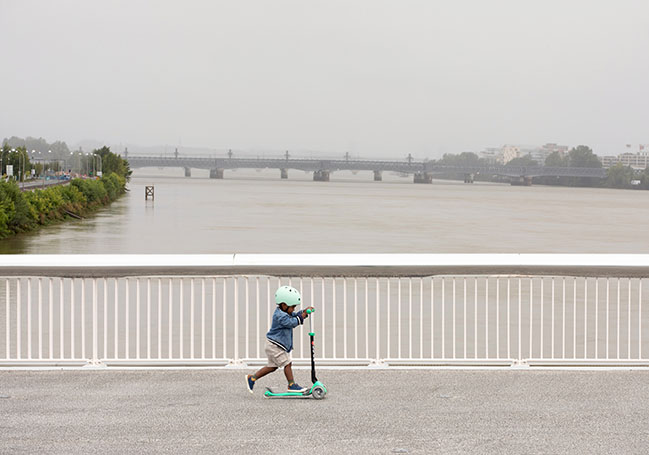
521 181
423 177
321 176
283 173
378 176
216 173
188 172
468 178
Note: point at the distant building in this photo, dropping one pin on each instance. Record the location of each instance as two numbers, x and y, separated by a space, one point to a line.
548 149
501 155
510 152
608 161
540 154
506 153
492 155
638 160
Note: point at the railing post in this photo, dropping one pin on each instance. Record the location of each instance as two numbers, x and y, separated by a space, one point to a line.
94 361
7 321
377 362
236 362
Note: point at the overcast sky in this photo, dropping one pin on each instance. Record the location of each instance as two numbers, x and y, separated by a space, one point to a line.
375 78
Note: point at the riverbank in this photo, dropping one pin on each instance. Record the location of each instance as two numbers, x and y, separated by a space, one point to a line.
30 210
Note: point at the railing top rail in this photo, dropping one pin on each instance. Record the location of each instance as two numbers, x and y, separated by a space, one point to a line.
110 265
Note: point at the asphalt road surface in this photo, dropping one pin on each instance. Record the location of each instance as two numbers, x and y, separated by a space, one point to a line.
40 184
365 411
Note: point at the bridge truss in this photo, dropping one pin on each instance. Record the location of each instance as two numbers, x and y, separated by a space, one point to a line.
317 165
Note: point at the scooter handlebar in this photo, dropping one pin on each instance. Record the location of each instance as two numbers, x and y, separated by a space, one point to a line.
309 311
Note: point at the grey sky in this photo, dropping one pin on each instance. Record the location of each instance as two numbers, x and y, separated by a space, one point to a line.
372 77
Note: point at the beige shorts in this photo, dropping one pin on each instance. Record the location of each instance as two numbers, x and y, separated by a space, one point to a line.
277 357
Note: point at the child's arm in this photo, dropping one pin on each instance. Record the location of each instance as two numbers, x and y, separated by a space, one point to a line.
290 321
303 313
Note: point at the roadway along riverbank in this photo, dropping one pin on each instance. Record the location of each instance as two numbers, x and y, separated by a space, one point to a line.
40 184
366 411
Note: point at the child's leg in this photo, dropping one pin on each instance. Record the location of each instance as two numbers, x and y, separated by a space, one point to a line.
263 372
288 372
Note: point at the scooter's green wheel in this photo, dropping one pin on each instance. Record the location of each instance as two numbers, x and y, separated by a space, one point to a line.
318 393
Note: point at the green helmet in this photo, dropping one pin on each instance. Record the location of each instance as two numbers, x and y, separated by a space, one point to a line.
288 295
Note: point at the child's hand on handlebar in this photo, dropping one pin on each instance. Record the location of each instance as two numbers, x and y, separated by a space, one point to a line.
304 312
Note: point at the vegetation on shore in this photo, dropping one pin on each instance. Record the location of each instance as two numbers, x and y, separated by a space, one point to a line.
618 176
25 211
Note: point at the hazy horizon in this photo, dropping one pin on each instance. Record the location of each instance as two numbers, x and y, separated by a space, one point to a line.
372 78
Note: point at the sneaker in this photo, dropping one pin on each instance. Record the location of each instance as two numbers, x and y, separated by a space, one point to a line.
296 388
250 383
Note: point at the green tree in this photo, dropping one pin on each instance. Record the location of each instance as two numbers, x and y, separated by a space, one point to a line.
59 150
23 211
16 157
556 159
583 156
619 176
464 158
21 216
14 142
644 179
38 144
113 163
523 161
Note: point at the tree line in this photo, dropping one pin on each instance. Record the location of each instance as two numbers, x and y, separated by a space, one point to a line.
25 211
618 176
23 161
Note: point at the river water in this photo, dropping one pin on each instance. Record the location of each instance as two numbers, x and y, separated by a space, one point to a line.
256 212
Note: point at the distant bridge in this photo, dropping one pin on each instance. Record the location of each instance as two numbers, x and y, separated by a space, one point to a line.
423 171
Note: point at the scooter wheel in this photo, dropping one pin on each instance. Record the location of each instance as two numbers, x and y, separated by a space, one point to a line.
318 393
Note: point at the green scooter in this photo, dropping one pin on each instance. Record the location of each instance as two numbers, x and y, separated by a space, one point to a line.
317 390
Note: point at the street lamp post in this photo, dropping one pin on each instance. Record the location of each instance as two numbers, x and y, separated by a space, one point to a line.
49 157
89 164
101 165
13 150
31 157
78 162
2 152
43 172
21 158
66 165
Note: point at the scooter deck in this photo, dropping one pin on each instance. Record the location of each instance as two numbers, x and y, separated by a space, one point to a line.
270 393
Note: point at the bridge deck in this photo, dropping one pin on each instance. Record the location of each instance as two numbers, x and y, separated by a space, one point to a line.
313 165
406 411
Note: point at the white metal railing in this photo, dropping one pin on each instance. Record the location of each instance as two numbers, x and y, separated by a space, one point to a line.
383 310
